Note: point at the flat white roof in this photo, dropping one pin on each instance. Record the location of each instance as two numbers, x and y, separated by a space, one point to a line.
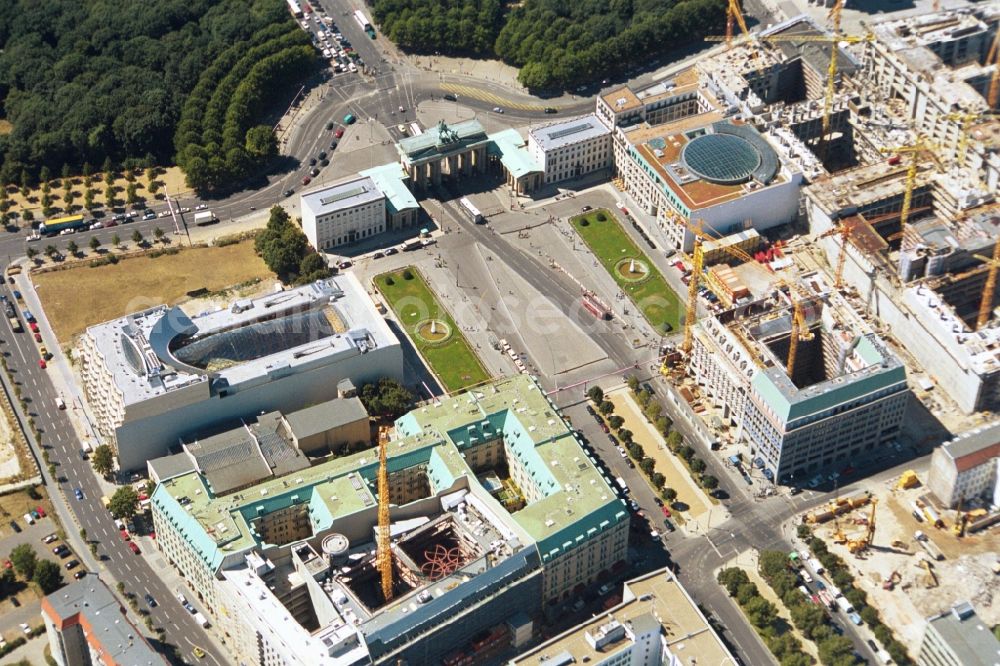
568 132
342 196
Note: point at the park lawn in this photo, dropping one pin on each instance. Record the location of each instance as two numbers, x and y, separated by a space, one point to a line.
82 296
453 361
609 242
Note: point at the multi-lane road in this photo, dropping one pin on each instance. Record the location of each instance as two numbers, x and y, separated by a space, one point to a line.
59 438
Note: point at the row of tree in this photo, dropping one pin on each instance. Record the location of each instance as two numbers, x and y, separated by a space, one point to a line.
84 81
763 615
217 141
286 251
555 43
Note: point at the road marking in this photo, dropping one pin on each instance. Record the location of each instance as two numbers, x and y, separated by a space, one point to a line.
484 96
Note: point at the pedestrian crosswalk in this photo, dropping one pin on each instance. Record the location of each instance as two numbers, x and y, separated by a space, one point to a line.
485 96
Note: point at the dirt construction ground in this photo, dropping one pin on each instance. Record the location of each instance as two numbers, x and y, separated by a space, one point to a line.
82 296
965 574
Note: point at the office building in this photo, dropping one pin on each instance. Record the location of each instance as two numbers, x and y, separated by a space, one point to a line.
571 148
87 626
342 214
155 376
657 622
496 512
964 471
844 401
958 637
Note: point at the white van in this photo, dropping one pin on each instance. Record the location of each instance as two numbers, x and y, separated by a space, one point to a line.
60 403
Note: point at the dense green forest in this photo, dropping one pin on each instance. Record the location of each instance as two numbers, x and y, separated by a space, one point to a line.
554 42
86 80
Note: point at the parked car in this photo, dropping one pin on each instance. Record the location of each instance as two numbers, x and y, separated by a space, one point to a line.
39 510
134 547
306 180
79 574
550 109
339 133
42 364
28 518
289 192
344 265
391 251
14 526
72 564
49 538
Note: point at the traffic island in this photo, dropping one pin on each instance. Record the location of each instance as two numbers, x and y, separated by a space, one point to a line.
432 330
630 268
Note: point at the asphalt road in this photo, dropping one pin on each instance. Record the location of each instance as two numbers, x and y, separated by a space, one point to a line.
62 443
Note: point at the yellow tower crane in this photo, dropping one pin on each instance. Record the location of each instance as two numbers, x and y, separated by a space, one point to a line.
800 331
845 234
986 304
963 138
384 552
915 150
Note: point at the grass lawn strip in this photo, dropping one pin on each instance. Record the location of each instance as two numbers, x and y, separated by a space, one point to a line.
452 360
609 242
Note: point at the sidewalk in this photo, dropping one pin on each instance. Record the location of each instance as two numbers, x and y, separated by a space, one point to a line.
667 464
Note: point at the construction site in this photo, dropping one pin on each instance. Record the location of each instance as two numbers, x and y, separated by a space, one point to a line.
913 557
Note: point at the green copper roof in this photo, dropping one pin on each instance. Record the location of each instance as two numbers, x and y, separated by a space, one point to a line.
510 148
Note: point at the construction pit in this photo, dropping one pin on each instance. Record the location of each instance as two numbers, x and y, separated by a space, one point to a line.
921 585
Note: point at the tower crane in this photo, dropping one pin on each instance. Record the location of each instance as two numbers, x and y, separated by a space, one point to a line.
832 39
800 330
915 150
986 304
845 234
384 552
966 120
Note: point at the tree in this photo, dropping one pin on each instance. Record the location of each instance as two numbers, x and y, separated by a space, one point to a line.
25 183
88 198
51 251
124 503
772 562
658 479
835 650
632 382
697 465
760 611
685 452
643 397
653 410
615 421
647 465
31 253
668 494
95 243
48 576
625 435
870 615
636 451
25 560
709 482
313 267
72 248
746 592
109 196
730 578
386 398
45 175
261 142
796 659
103 460
131 194
674 440
596 395
109 171
808 617
662 425
116 241
606 407
158 234
27 216
803 532
137 237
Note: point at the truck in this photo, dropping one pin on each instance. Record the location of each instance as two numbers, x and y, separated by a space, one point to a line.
57 225
205 218
365 24
592 304
815 565
844 605
15 323
929 546
201 619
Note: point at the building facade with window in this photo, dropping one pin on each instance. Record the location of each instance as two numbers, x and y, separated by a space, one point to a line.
571 148
342 214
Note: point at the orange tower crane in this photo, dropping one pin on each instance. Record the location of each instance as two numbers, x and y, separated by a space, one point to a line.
915 150
986 304
993 96
384 552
